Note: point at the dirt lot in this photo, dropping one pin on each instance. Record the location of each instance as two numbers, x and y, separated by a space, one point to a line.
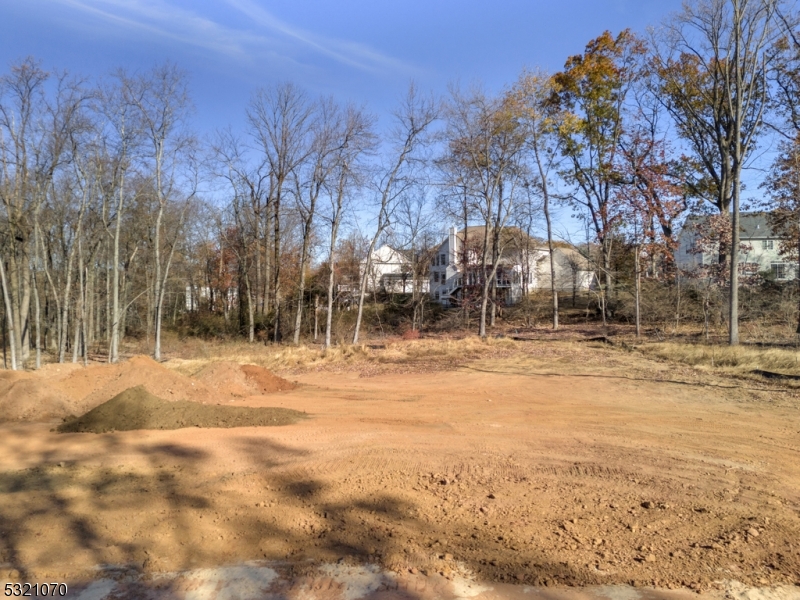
556 463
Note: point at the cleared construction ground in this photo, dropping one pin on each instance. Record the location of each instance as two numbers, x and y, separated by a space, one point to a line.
544 464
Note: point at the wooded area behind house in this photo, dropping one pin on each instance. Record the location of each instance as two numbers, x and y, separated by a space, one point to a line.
120 220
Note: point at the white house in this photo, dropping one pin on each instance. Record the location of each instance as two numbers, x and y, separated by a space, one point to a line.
524 266
571 268
759 254
391 271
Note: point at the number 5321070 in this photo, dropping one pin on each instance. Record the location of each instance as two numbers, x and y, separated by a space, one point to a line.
35 589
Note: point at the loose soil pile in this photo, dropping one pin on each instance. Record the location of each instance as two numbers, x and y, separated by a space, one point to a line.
137 408
25 397
241 380
65 390
264 381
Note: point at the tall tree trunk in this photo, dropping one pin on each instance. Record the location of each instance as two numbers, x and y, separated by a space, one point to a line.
37 303
638 282
257 242
485 280
606 291
65 307
465 264
733 325
84 325
124 304
316 317
553 289
76 331
113 351
277 269
484 304
267 261
20 279
302 283
329 313
37 321
9 315
108 315
383 222
251 322
163 285
335 221
158 292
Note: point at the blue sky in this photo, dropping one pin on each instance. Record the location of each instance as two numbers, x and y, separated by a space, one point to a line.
364 51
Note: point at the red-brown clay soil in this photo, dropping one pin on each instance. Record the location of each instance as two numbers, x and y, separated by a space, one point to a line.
58 391
554 467
240 380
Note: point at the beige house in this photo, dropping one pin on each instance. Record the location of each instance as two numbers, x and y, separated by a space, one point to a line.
524 266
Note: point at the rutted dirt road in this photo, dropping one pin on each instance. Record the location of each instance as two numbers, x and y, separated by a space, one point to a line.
543 469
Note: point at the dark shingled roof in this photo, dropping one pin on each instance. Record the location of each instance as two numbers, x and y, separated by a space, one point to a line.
752 226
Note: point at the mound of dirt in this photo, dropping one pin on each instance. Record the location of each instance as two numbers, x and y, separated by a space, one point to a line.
23 397
225 377
264 381
101 383
63 390
137 408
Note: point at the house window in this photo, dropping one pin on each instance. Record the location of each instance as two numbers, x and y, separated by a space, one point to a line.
748 269
779 270
437 295
443 258
436 276
767 244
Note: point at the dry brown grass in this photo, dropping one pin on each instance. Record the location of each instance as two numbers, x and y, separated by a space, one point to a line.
736 360
429 354
394 355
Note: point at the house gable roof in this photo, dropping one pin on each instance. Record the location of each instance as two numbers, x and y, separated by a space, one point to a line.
752 225
388 254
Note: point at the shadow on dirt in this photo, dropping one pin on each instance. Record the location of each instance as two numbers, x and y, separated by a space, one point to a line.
178 512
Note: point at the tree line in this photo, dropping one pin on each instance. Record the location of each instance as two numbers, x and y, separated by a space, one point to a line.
117 217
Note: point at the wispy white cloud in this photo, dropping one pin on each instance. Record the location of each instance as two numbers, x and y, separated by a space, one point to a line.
165 21
267 36
345 52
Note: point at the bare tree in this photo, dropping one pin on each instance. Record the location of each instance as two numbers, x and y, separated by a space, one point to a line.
9 315
163 104
37 137
249 180
456 199
280 119
412 121
357 140
117 102
533 93
413 235
485 137
328 138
